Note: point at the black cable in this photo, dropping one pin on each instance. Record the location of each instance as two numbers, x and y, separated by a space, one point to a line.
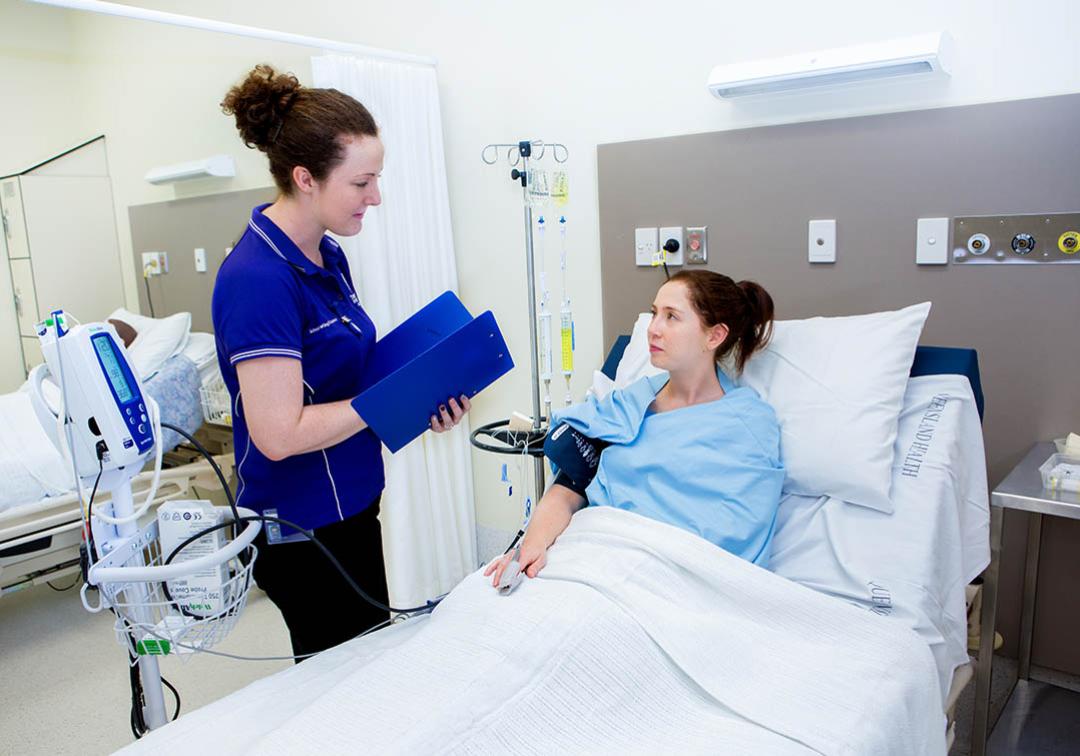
213 463
318 544
175 692
263 518
90 510
138 724
65 588
514 542
149 299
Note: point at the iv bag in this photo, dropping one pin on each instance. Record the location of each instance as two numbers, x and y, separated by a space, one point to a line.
538 187
559 188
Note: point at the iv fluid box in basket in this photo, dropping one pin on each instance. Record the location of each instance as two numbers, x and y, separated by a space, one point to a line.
200 592
440 352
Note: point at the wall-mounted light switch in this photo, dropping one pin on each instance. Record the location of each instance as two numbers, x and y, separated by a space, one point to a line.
932 241
821 241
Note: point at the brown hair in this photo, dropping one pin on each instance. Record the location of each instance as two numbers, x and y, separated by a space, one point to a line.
744 307
295 125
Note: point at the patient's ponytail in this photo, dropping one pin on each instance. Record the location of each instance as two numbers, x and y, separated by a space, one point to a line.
745 308
758 328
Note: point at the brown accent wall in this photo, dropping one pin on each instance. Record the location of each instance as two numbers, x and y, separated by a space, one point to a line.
756 189
212 222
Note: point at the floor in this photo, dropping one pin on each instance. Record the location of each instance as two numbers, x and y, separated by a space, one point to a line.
73 696
1039 718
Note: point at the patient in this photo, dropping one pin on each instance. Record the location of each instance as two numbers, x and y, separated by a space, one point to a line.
686 447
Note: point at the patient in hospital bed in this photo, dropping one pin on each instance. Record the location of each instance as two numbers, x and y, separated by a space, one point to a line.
686 447
650 626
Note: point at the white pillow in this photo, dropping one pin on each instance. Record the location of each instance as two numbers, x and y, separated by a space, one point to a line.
635 361
837 385
157 339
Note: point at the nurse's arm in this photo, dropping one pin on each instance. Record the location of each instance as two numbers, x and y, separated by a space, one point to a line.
280 424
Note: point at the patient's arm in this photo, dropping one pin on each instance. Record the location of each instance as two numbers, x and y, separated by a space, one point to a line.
552 515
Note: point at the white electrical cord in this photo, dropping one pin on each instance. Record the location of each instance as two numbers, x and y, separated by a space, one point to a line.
63 429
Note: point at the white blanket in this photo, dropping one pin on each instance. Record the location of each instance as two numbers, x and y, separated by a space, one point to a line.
637 637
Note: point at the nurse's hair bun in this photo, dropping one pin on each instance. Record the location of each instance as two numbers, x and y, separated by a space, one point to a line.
296 125
260 103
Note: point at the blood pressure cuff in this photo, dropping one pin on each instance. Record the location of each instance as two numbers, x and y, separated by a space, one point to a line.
575 457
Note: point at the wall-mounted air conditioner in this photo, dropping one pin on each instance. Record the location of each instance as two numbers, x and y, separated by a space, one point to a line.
923 54
217 166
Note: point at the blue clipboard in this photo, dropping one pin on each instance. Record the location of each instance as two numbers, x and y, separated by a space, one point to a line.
440 352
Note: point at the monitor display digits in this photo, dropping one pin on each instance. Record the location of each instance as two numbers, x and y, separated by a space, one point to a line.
104 347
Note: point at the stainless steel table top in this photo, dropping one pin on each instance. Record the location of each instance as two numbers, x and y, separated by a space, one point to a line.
1023 488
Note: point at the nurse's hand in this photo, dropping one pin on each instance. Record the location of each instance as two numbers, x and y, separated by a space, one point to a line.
450 414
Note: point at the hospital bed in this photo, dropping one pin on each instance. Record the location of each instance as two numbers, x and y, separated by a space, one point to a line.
39 540
906 572
40 517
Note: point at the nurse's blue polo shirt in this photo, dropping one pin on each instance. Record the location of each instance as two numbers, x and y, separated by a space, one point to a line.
272 301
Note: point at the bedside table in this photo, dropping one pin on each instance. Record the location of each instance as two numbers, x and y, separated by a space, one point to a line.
1022 489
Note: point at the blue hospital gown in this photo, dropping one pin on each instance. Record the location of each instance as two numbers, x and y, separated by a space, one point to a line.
713 469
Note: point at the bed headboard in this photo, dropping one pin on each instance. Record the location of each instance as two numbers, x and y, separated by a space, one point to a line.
929 360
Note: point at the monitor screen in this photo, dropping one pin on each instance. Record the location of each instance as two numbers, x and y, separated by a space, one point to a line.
107 354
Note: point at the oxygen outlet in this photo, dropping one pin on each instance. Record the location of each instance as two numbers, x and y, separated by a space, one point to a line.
1069 242
977 244
1023 244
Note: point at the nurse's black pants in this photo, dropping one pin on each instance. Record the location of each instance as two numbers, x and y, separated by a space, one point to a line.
319 607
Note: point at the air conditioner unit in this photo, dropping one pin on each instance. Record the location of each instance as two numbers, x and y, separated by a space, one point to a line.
923 54
218 166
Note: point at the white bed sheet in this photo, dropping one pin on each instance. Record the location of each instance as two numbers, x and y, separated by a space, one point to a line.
700 652
910 566
202 350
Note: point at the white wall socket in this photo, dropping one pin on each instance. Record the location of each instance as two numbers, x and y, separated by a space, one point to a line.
645 246
200 260
676 233
932 241
154 263
821 241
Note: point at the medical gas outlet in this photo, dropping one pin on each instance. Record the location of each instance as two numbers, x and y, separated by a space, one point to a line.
1069 242
1049 238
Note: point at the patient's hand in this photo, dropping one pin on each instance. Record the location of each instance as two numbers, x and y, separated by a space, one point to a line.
532 559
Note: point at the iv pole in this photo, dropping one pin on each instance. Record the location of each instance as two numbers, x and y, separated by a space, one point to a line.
521 153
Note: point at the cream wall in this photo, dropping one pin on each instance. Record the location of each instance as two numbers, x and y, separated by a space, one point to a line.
41 93
584 73
159 105
35 59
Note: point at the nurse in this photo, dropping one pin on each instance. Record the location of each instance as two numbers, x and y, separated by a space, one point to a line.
292 343
687 447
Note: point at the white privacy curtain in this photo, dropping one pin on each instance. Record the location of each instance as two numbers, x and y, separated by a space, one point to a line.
401 260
